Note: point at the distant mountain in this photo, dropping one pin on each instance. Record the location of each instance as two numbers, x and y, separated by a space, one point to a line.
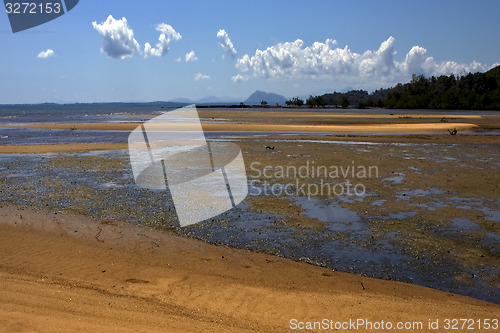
181 100
210 99
206 100
272 99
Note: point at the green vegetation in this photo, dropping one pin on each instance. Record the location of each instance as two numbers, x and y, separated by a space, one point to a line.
478 91
359 98
316 101
294 102
472 91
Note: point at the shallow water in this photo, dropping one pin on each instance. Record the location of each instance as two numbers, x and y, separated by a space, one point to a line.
130 112
462 223
123 112
346 243
372 243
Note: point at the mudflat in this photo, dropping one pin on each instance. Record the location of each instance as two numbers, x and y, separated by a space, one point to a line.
64 271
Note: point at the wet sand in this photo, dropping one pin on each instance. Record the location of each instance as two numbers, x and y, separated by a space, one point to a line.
266 127
326 122
409 138
62 273
60 148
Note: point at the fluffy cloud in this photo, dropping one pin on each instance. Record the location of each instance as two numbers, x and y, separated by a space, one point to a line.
226 43
191 57
163 46
200 77
326 61
239 78
417 62
118 38
46 54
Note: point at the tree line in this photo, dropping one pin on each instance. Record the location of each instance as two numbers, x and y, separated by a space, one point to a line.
478 91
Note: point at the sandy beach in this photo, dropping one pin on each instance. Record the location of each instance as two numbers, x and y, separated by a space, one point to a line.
250 167
383 128
62 271
289 121
65 273
83 147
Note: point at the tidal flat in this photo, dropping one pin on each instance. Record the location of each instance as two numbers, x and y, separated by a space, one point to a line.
429 216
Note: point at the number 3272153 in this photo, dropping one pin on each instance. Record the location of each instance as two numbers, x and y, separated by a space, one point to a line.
33 8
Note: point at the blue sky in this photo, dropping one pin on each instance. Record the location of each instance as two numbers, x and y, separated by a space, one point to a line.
287 47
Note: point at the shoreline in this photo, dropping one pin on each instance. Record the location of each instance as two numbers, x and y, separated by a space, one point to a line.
300 122
79 273
247 127
114 275
386 139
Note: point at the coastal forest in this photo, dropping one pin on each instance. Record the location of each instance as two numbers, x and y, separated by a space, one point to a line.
478 91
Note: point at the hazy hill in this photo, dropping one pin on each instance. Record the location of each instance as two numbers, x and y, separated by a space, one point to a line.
474 91
494 73
478 91
206 100
272 99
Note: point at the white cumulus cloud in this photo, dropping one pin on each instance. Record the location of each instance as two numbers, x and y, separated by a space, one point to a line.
239 78
163 46
200 77
327 61
118 38
191 57
226 43
417 62
46 54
